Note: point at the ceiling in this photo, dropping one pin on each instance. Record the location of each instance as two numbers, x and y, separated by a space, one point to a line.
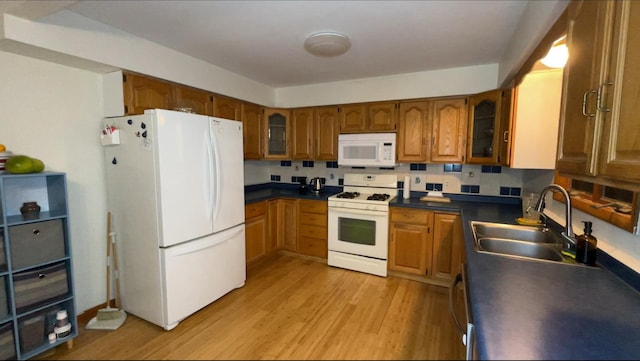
263 40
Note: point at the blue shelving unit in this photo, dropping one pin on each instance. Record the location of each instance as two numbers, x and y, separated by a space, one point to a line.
36 278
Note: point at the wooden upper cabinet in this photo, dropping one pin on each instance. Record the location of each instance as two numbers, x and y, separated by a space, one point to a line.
620 149
227 108
353 118
382 117
141 92
484 127
252 124
505 136
302 126
277 128
314 133
368 117
200 101
580 127
449 130
413 125
326 133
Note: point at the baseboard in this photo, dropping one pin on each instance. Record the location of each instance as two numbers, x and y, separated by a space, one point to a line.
422 279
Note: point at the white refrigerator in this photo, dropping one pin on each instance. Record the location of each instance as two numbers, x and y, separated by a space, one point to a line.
175 187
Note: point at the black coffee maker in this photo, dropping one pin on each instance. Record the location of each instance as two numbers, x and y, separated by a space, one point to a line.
303 187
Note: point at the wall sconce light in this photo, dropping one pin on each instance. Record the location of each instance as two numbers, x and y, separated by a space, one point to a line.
558 54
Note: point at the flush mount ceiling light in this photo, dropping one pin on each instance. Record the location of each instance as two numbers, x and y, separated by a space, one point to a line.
557 55
327 44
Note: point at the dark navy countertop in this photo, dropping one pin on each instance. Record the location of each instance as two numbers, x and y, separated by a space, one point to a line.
261 192
527 309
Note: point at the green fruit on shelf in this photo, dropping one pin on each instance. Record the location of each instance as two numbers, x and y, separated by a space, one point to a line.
38 165
22 164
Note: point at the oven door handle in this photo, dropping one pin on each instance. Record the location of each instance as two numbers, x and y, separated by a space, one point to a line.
356 211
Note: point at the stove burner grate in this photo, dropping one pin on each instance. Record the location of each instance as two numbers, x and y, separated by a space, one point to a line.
378 197
348 195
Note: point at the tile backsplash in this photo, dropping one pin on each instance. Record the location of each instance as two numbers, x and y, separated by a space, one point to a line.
448 178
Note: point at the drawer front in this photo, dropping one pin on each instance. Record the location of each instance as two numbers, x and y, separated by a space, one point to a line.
40 285
312 206
3 254
7 346
312 247
32 332
255 210
4 305
36 243
313 219
313 232
408 215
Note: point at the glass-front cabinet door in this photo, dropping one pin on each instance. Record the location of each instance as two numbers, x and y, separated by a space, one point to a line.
484 127
277 134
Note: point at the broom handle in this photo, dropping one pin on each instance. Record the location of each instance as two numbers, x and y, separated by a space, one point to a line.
108 260
114 252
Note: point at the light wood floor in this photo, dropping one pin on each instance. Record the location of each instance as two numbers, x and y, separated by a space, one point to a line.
293 308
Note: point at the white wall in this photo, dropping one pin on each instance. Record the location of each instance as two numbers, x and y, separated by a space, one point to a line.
68 38
536 20
53 112
620 244
444 82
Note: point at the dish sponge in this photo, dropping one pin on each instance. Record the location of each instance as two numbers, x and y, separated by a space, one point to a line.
569 253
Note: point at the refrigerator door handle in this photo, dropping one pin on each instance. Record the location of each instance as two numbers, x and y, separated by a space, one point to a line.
210 173
216 174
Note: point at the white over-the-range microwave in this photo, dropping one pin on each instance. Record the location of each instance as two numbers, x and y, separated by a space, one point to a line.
367 149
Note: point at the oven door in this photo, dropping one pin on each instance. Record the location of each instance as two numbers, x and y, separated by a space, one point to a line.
359 232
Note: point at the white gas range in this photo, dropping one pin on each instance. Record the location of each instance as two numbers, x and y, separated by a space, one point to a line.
359 223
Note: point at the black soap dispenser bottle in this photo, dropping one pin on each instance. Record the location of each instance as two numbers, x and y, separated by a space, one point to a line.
586 246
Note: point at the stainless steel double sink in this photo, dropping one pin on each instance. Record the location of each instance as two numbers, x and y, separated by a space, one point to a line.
537 243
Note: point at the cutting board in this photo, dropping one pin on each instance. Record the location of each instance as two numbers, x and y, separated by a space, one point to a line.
435 199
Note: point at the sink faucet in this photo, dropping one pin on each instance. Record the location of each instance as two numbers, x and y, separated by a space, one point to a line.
568 233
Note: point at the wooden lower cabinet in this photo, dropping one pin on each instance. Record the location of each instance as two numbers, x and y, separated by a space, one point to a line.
447 246
269 226
425 243
312 228
272 240
256 227
287 231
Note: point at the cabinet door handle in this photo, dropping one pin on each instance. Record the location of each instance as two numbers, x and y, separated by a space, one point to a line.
584 103
599 98
36 232
505 136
